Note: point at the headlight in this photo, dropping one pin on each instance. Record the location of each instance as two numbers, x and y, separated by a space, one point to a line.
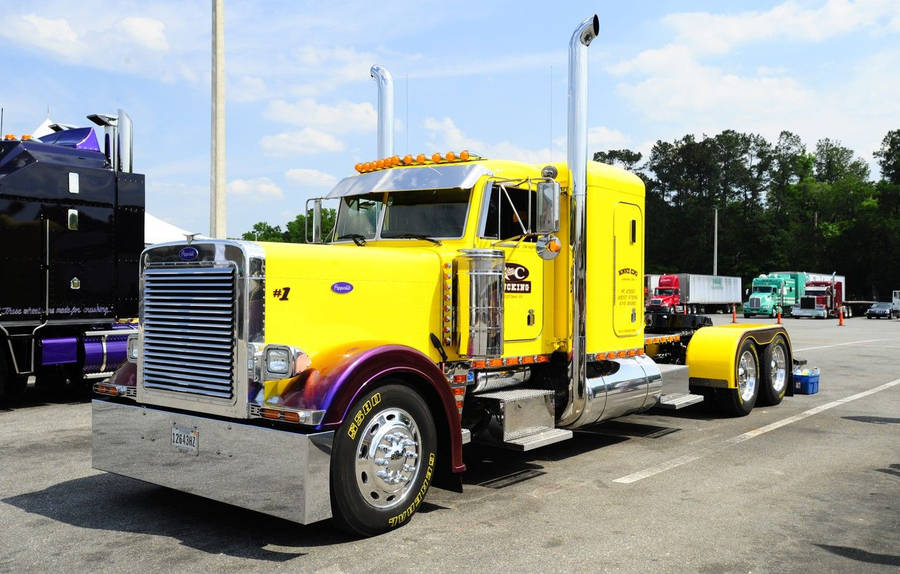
283 361
278 361
133 349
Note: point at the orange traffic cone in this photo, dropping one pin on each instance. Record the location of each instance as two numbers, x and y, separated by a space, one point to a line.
840 317
779 317
734 313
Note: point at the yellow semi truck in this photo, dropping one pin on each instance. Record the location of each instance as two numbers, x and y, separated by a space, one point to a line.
460 299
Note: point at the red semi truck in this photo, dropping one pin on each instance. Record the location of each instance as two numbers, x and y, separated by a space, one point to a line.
694 293
822 299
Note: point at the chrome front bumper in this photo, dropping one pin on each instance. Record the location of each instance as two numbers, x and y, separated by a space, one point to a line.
285 474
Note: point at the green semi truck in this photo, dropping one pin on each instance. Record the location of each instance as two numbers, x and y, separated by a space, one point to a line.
775 293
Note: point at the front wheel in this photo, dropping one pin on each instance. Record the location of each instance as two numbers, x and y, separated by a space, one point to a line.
740 400
774 372
383 460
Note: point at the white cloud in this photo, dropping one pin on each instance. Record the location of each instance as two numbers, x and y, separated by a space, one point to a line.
147 32
342 117
444 134
604 138
247 89
257 188
132 39
310 178
719 33
303 142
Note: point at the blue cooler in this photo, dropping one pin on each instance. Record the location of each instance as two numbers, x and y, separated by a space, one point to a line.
806 381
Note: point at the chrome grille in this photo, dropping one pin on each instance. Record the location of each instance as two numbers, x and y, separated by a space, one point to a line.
754 302
189 330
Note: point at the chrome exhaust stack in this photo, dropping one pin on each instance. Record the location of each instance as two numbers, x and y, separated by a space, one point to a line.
385 110
577 157
118 139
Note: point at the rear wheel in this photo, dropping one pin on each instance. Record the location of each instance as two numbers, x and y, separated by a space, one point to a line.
774 372
383 460
740 400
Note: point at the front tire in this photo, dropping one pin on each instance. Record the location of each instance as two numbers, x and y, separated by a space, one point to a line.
383 460
740 400
774 372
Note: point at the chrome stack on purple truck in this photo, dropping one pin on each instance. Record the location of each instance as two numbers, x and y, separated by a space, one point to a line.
71 235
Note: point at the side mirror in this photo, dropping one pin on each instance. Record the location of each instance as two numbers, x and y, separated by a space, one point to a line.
547 217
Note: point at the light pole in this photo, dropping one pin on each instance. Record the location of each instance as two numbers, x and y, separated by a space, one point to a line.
217 152
716 243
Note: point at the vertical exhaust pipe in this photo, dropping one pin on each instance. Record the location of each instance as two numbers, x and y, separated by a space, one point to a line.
385 110
126 142
577 158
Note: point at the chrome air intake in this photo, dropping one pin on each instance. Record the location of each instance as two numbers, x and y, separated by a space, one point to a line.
385 110
577 157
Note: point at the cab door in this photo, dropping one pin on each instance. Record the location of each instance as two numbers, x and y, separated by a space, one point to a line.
628 222
505 214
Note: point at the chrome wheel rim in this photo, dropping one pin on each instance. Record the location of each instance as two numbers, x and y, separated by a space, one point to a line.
388 458
778 369
746 376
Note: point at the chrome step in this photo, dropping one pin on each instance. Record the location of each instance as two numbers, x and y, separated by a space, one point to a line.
676 401
539 439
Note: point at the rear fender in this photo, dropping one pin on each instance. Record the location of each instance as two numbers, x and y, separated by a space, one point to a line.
712 353
335 386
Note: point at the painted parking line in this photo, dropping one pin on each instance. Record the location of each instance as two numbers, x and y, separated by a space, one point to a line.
682 460
839 345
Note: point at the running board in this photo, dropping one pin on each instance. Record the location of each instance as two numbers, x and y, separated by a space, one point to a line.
676 401
539 439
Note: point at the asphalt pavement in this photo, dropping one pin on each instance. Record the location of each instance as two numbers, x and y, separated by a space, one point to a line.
812 485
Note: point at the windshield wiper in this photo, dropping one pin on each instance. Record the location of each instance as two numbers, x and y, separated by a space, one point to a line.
412 236
358 239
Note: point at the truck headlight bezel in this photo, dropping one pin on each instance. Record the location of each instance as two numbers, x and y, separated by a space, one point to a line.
133 350
283 362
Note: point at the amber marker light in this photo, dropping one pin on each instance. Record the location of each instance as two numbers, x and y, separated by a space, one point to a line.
358 167
451 156
395 160
436 157
26 137
464 155
9 137
407 159
420 158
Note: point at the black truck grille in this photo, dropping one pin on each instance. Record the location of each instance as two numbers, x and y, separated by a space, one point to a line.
189 330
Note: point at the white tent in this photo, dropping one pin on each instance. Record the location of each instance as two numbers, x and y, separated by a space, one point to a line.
158 231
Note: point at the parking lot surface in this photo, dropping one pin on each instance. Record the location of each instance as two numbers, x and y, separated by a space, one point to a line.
812 485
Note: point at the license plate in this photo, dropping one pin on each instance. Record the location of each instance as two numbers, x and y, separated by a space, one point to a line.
186 440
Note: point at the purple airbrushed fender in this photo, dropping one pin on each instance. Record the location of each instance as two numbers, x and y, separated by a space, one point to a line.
334 389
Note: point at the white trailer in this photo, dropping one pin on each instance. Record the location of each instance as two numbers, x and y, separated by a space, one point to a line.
709 293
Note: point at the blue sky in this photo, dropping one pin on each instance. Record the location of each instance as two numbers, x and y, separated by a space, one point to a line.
488 76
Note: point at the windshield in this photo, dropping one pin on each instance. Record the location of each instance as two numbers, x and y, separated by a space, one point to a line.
881 306
358 216
432 213
407 214
665 291
764 289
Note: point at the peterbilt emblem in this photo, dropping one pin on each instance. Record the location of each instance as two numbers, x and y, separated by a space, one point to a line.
188 253
341 287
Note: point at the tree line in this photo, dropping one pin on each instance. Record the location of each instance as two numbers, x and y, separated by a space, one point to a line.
780 207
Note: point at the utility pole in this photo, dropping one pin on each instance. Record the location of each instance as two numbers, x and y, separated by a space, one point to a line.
217 152
716 244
